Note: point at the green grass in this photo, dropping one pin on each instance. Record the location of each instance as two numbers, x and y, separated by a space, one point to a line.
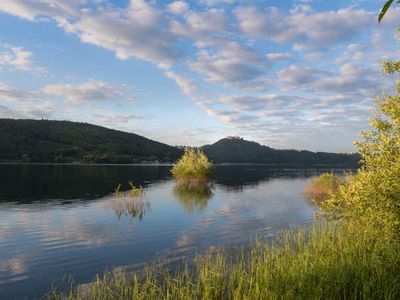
324 261
193 168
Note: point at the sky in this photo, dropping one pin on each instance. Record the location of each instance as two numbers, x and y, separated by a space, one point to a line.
288 74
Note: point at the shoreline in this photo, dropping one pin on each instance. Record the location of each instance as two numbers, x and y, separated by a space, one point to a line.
171 164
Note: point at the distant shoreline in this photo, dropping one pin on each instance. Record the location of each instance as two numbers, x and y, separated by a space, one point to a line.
171 164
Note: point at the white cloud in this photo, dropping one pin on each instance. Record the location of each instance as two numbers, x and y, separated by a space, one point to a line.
185 83
267 22
216 2
299 75
276 56
17 58
11 93
34 9
138 31
202 27
89 91
233 64
318 30
178 7
23 104
349 78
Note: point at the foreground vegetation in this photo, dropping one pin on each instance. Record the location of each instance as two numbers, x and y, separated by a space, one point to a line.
324 262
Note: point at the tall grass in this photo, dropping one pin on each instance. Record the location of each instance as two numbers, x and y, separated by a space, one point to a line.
193 168
324 261
322 187
132 203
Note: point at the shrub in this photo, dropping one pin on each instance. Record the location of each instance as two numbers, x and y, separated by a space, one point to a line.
192 168
372 195
322 187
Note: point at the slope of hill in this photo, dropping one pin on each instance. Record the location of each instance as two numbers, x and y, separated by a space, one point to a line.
238 150
64 141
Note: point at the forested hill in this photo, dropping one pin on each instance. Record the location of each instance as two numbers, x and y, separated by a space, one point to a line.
65 142
238 150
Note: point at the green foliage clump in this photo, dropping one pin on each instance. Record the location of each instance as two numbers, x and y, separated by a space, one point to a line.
372 195
322 187
192 168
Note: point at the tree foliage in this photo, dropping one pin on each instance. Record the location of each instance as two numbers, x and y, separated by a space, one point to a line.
238 150
372 195
63 142
385 9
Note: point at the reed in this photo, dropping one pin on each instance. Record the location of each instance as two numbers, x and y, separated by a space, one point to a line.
132 203
323 261
322 187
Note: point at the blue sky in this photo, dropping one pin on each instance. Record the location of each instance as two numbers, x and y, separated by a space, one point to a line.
287 74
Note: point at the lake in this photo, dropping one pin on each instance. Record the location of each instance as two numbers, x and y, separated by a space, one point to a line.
58 220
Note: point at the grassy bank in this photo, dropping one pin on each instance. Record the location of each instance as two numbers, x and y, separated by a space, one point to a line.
328 261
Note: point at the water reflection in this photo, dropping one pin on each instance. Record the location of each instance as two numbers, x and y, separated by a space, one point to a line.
236 177
192 198
135 206
41 241
27 183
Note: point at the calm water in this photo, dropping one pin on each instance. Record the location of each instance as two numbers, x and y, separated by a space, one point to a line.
57 220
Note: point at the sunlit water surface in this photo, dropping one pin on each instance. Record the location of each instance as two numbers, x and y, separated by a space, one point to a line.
58 220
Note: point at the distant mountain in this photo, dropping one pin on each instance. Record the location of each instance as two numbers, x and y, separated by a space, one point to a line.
64 142
238 150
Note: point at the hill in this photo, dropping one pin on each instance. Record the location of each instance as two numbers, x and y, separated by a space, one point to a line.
238 150
44 141
64 141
